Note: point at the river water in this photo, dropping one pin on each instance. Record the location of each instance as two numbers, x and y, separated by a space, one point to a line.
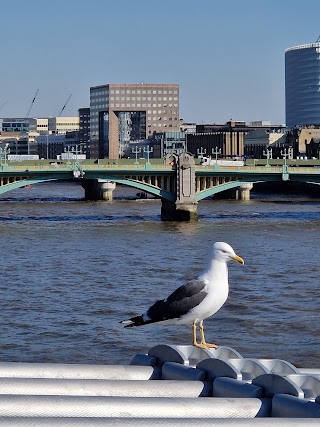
71 270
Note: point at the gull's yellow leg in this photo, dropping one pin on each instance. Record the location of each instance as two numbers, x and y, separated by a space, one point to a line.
203 340
194 337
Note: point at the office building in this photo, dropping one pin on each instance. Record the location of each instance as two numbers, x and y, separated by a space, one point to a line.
63 124
173 142
302 85
84 128
122 114
228 140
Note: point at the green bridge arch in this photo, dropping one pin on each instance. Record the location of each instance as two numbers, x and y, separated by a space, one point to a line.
151 189
147 188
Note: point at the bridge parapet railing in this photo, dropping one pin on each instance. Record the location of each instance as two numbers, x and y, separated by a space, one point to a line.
129 167
67 167
8 167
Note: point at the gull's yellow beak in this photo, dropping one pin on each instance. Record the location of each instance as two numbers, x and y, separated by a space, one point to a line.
238 259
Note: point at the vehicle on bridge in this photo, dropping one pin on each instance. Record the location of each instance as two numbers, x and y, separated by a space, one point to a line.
208 161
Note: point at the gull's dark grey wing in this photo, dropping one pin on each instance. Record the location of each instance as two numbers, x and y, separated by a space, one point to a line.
178 303
182 300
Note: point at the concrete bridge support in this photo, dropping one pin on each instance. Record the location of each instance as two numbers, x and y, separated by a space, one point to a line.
243 192
98 189
184 208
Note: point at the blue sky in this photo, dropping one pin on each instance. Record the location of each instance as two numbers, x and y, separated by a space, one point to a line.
227 56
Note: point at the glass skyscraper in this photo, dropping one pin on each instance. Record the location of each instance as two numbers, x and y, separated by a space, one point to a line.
302 85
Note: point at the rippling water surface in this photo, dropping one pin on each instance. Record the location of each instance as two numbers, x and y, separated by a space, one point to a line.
71 270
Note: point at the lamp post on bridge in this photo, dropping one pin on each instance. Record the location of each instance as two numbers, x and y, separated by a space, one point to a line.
201 152
285 154
77 150
3 155
136 151
148 151
268 153
216 152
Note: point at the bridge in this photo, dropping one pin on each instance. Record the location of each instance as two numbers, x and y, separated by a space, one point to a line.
176 179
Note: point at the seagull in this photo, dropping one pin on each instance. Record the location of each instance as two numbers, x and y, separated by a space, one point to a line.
196 300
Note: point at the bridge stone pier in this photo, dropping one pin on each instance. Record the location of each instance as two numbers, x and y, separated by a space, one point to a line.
184 208
243 192
98 189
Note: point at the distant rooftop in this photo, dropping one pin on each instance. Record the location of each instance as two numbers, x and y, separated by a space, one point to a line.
304 46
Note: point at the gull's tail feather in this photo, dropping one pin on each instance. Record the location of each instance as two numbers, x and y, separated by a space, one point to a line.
134 321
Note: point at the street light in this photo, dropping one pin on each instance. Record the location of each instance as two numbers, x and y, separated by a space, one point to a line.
284 154
216 152
136 151
201 152
148 151
268 153
3 154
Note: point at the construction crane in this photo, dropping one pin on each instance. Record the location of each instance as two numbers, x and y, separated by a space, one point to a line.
5 103
31 105
64 105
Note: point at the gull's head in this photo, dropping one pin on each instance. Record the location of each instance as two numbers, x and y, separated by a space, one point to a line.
224 252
